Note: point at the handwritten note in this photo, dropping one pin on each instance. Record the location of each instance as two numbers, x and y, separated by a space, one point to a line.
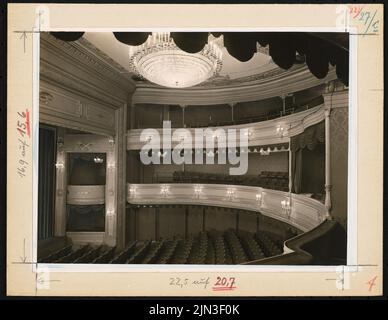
371 283
218 283
224 284
185 282
359 15
23 129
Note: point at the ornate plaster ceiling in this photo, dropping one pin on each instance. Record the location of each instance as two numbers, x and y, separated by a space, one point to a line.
233 71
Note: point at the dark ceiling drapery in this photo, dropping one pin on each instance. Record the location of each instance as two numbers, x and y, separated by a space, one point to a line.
68 36
132 38
285 48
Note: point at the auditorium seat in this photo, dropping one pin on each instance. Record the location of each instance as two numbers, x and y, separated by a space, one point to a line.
73 255
237 252
182 251
89 256
139 253
199 249
269 246
219 247
206 247
152 252
56 255
106 256
266 179
253 250
124 255
165 253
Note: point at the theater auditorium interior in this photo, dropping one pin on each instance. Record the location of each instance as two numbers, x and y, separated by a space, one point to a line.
100 203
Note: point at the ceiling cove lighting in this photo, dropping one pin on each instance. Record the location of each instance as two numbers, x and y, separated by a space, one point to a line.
160 61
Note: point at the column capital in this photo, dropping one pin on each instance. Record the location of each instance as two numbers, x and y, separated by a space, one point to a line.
336 99
327 111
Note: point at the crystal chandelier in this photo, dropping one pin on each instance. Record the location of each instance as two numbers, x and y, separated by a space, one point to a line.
160 61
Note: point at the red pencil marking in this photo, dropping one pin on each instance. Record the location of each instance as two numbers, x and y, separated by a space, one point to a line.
223 288
371 283
28 122
358 12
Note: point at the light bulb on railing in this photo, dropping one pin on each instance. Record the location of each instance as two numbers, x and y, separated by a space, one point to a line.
132 192
198 190
210 154
248 133
280 130
259 199
286 207
165 190
230 193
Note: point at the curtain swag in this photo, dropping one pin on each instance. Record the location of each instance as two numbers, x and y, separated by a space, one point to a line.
309 138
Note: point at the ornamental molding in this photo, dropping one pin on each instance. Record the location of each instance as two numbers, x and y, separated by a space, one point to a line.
293 80
81 56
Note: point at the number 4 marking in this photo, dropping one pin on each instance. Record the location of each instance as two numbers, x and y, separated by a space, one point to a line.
371 283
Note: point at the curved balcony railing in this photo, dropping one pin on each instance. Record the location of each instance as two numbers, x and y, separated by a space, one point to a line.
297 210
260 133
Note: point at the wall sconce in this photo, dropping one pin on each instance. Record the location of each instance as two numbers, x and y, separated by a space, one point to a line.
198 191
286 207
59 165
98 160
230 194
111 141
149 138
110 213
165 190
259 198
111 165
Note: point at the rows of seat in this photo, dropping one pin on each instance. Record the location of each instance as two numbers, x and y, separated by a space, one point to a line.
294 108
199 250
182 251
266 179
207 247
253 250
166 251
219 247
236 249
269 246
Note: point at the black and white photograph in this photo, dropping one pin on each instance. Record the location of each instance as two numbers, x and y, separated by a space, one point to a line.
188 150
199 148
